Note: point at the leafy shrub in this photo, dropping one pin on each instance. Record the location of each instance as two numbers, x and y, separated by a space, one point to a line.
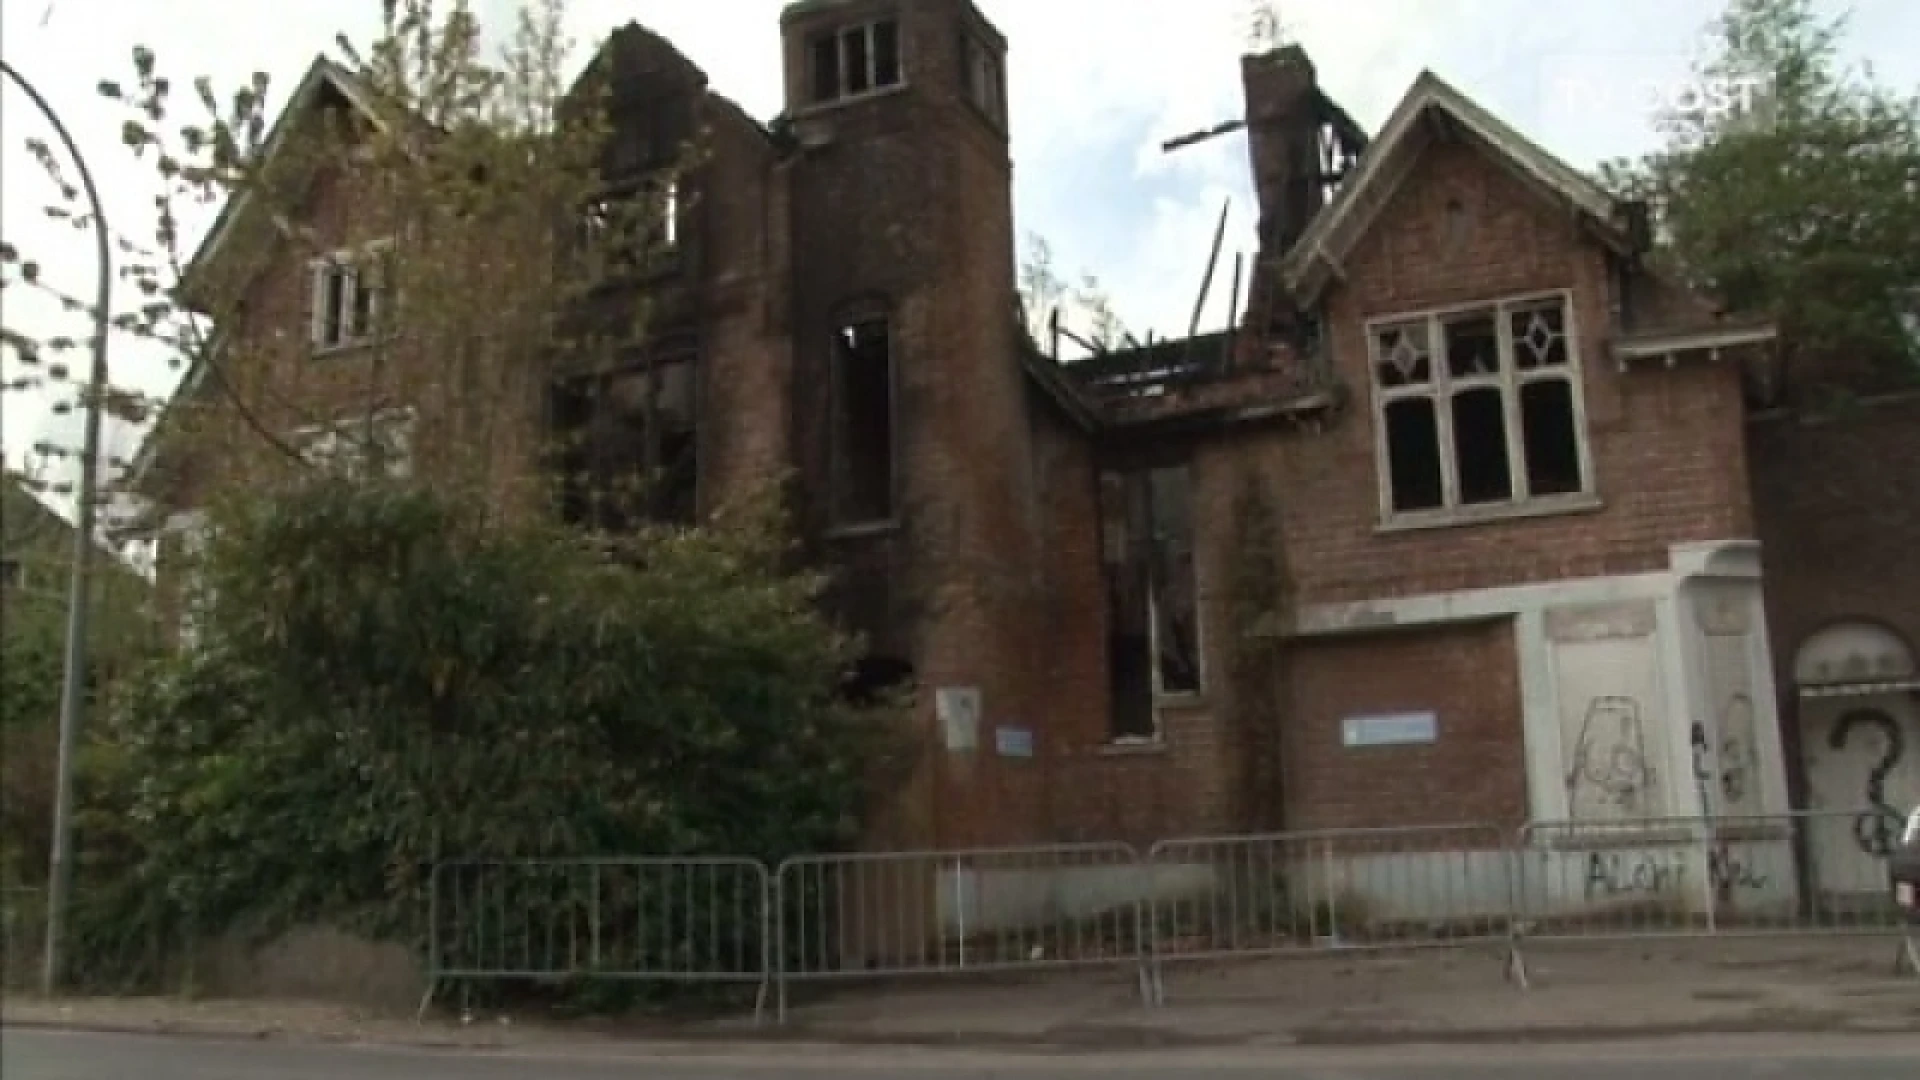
383 679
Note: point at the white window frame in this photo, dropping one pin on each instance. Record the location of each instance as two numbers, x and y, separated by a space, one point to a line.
320 443
868 29
1441 386
349 266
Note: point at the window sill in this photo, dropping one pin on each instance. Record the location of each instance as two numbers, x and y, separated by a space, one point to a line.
819 107
1496 512
1133 746
1180 702
863 529
324 352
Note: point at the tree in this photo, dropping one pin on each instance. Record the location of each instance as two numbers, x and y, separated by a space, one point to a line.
483 176
1044 293
1792 187
386 676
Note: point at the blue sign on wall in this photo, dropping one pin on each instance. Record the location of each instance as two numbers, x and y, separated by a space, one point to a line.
1390 729
1013 742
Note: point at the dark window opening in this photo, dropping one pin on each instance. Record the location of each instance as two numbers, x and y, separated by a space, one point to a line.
853 61
825 60
1153 631
1403 357
1539 337
886 53
874 679
333 306
1413 455
1176 627
623 232
1480 447
626 447
1552 439
862 443
1473 348
859 69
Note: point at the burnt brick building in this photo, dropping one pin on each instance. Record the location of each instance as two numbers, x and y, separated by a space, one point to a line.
1461 520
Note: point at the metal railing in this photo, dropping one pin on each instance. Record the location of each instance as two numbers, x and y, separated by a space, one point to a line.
939 912
697 920
1026 909
1263 895
1800 873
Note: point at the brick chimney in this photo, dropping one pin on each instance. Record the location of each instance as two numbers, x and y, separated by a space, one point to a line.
1283 121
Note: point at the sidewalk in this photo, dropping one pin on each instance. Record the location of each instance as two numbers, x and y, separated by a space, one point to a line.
1590 992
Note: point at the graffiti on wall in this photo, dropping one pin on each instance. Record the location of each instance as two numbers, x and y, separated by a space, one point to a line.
1609 767
1875 829
1614 875
1728 778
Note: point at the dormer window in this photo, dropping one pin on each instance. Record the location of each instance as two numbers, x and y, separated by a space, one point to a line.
854 60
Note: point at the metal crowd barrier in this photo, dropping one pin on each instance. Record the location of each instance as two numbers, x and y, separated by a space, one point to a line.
1366 889
902 914
699 920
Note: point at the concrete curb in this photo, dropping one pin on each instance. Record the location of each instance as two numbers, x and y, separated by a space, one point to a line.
1074 1039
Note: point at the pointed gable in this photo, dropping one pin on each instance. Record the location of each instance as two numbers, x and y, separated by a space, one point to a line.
1431 111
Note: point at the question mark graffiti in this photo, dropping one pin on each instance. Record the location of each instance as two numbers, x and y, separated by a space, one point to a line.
1874 830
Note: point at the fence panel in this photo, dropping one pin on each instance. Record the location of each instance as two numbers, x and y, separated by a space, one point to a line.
1262 895
640 919
940 912
1806 872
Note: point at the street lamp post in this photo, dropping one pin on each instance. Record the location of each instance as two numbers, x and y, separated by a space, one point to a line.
73 686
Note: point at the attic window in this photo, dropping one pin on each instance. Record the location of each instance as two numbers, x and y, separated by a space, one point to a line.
854 60
346 297
1479 410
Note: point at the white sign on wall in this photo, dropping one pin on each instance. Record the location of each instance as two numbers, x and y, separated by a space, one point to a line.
958 709
1390 729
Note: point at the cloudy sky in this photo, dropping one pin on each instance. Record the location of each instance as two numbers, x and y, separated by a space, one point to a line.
1095 86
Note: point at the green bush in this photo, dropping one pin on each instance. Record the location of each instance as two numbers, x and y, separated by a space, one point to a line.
383 679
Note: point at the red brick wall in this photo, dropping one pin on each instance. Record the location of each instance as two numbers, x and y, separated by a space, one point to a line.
1666 445
1838 503
1097 791
1474 773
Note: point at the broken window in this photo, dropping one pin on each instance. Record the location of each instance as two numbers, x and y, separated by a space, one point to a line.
854 60
625 231
1153 629
626 445
1478 407
861 446
345 297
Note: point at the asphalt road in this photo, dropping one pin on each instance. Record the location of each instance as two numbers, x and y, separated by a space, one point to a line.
47 1055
